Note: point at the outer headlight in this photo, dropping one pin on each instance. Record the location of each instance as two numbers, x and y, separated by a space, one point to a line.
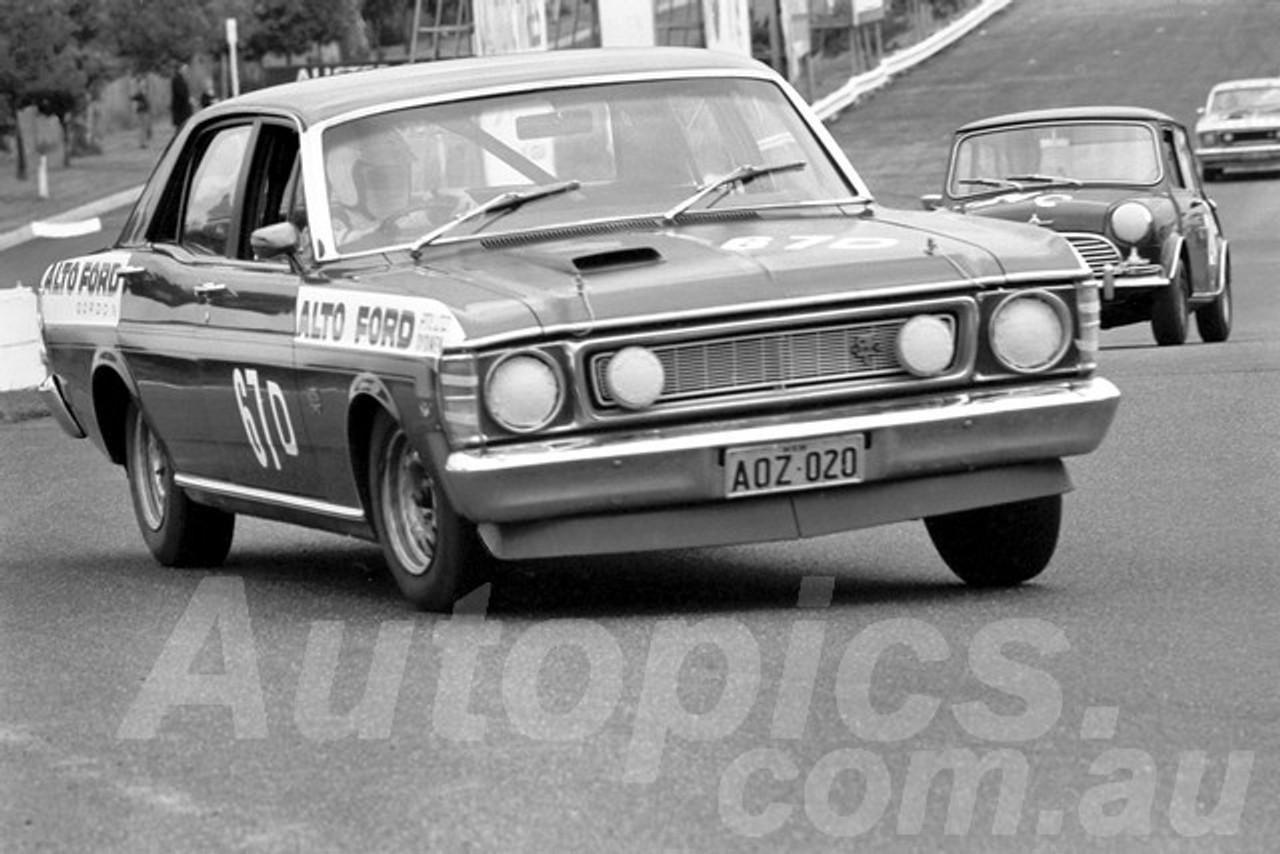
1131 222
635 377
1030 331
523 391
1209 139
927 344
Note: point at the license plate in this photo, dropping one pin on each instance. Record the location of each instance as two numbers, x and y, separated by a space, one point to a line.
788 466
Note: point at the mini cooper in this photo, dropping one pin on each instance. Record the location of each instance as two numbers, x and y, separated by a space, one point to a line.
1120 184
1239 127
589 302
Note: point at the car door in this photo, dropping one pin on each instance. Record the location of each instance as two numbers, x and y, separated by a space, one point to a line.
162 332
1197 220
251 390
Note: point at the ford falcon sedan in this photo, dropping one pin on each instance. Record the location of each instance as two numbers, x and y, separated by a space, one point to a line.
1239 127
1120 183
571 303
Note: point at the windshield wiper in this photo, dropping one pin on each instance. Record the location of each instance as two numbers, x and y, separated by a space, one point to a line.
1003 183
744 174
1047 179
508 201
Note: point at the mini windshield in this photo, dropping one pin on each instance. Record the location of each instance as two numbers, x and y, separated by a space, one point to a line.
1245 100
1035 156
630 149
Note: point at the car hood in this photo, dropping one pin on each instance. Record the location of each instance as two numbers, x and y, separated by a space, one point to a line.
1082 209
1238 122
511 285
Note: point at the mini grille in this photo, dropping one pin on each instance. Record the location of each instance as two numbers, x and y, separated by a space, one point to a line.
755 362
1098 252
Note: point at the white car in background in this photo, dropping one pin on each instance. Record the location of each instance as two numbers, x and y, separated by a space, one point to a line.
1239 127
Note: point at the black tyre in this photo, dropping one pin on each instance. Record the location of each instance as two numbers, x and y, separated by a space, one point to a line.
1212 173
177 530
998 546
434 555
1214 320
1169 313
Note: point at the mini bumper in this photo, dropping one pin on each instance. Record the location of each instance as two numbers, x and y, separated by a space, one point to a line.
908 438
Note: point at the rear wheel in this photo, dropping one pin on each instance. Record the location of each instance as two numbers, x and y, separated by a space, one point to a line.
1169 313
177 530
434 555
1214 320
998 546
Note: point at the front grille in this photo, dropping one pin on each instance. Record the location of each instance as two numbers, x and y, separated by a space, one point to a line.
1098 252
752 362
1247 137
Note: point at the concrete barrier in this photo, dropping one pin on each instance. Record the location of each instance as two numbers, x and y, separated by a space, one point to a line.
21 352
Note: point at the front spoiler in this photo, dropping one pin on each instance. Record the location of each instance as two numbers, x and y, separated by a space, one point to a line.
926 436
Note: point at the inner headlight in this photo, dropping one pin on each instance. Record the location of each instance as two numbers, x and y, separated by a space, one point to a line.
635 377
524 391
926 344
1131 222
1030 331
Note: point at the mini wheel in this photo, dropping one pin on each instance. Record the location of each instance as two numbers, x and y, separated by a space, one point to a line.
434 555
1169 313
999 546
1214 320
177 530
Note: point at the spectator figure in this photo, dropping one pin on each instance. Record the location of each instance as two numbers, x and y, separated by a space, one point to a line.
142 106
207 96
180 96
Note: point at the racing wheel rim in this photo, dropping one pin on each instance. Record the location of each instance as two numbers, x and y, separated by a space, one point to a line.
409 504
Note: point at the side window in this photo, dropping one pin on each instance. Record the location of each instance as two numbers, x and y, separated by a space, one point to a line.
1185 159
272 188
1177 176
209 210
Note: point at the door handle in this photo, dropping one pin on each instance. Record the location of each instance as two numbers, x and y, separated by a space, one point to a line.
208 289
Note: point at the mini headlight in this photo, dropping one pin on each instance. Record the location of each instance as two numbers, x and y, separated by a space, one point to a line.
1030 331
635 377
523 391
1131 222
926 345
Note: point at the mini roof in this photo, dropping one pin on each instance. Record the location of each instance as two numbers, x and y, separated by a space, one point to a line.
1060 114
323 98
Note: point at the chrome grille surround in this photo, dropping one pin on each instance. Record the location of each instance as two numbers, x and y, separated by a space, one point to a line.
1098 252
771 359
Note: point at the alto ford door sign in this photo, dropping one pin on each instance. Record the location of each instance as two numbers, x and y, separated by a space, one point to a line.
385 323
83 291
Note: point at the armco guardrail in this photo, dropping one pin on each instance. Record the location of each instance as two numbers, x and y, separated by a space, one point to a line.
899 61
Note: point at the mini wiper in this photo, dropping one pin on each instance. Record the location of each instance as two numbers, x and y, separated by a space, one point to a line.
1047 179
508 201
1003 183
744 174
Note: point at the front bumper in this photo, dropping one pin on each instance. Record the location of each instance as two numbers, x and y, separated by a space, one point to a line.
909 438
1267 154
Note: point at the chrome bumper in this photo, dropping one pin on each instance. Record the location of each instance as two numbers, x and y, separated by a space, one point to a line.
684 465
1251 154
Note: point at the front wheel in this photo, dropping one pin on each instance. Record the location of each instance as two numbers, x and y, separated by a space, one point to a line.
177 530
998 546
1214 320
1169 313
434 555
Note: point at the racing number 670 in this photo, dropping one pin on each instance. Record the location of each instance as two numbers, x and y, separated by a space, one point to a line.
262 438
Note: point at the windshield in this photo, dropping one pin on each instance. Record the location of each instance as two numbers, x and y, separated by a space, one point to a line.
630 149
1104 153
1252 99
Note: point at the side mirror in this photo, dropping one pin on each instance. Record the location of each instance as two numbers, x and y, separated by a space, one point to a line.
272 241
931 201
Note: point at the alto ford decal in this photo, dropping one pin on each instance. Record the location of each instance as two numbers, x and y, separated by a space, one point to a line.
355 320
83 291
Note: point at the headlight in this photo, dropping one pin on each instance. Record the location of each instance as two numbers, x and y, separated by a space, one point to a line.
1030 331
1131 222
635 377
1209 139
523 391
927 344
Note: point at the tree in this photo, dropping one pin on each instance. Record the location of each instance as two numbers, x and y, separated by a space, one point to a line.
40 63
154 35
295 26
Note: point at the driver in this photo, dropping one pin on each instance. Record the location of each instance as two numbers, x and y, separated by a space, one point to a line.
370 180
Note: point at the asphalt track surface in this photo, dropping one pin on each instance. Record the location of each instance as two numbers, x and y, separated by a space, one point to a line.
1136 689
